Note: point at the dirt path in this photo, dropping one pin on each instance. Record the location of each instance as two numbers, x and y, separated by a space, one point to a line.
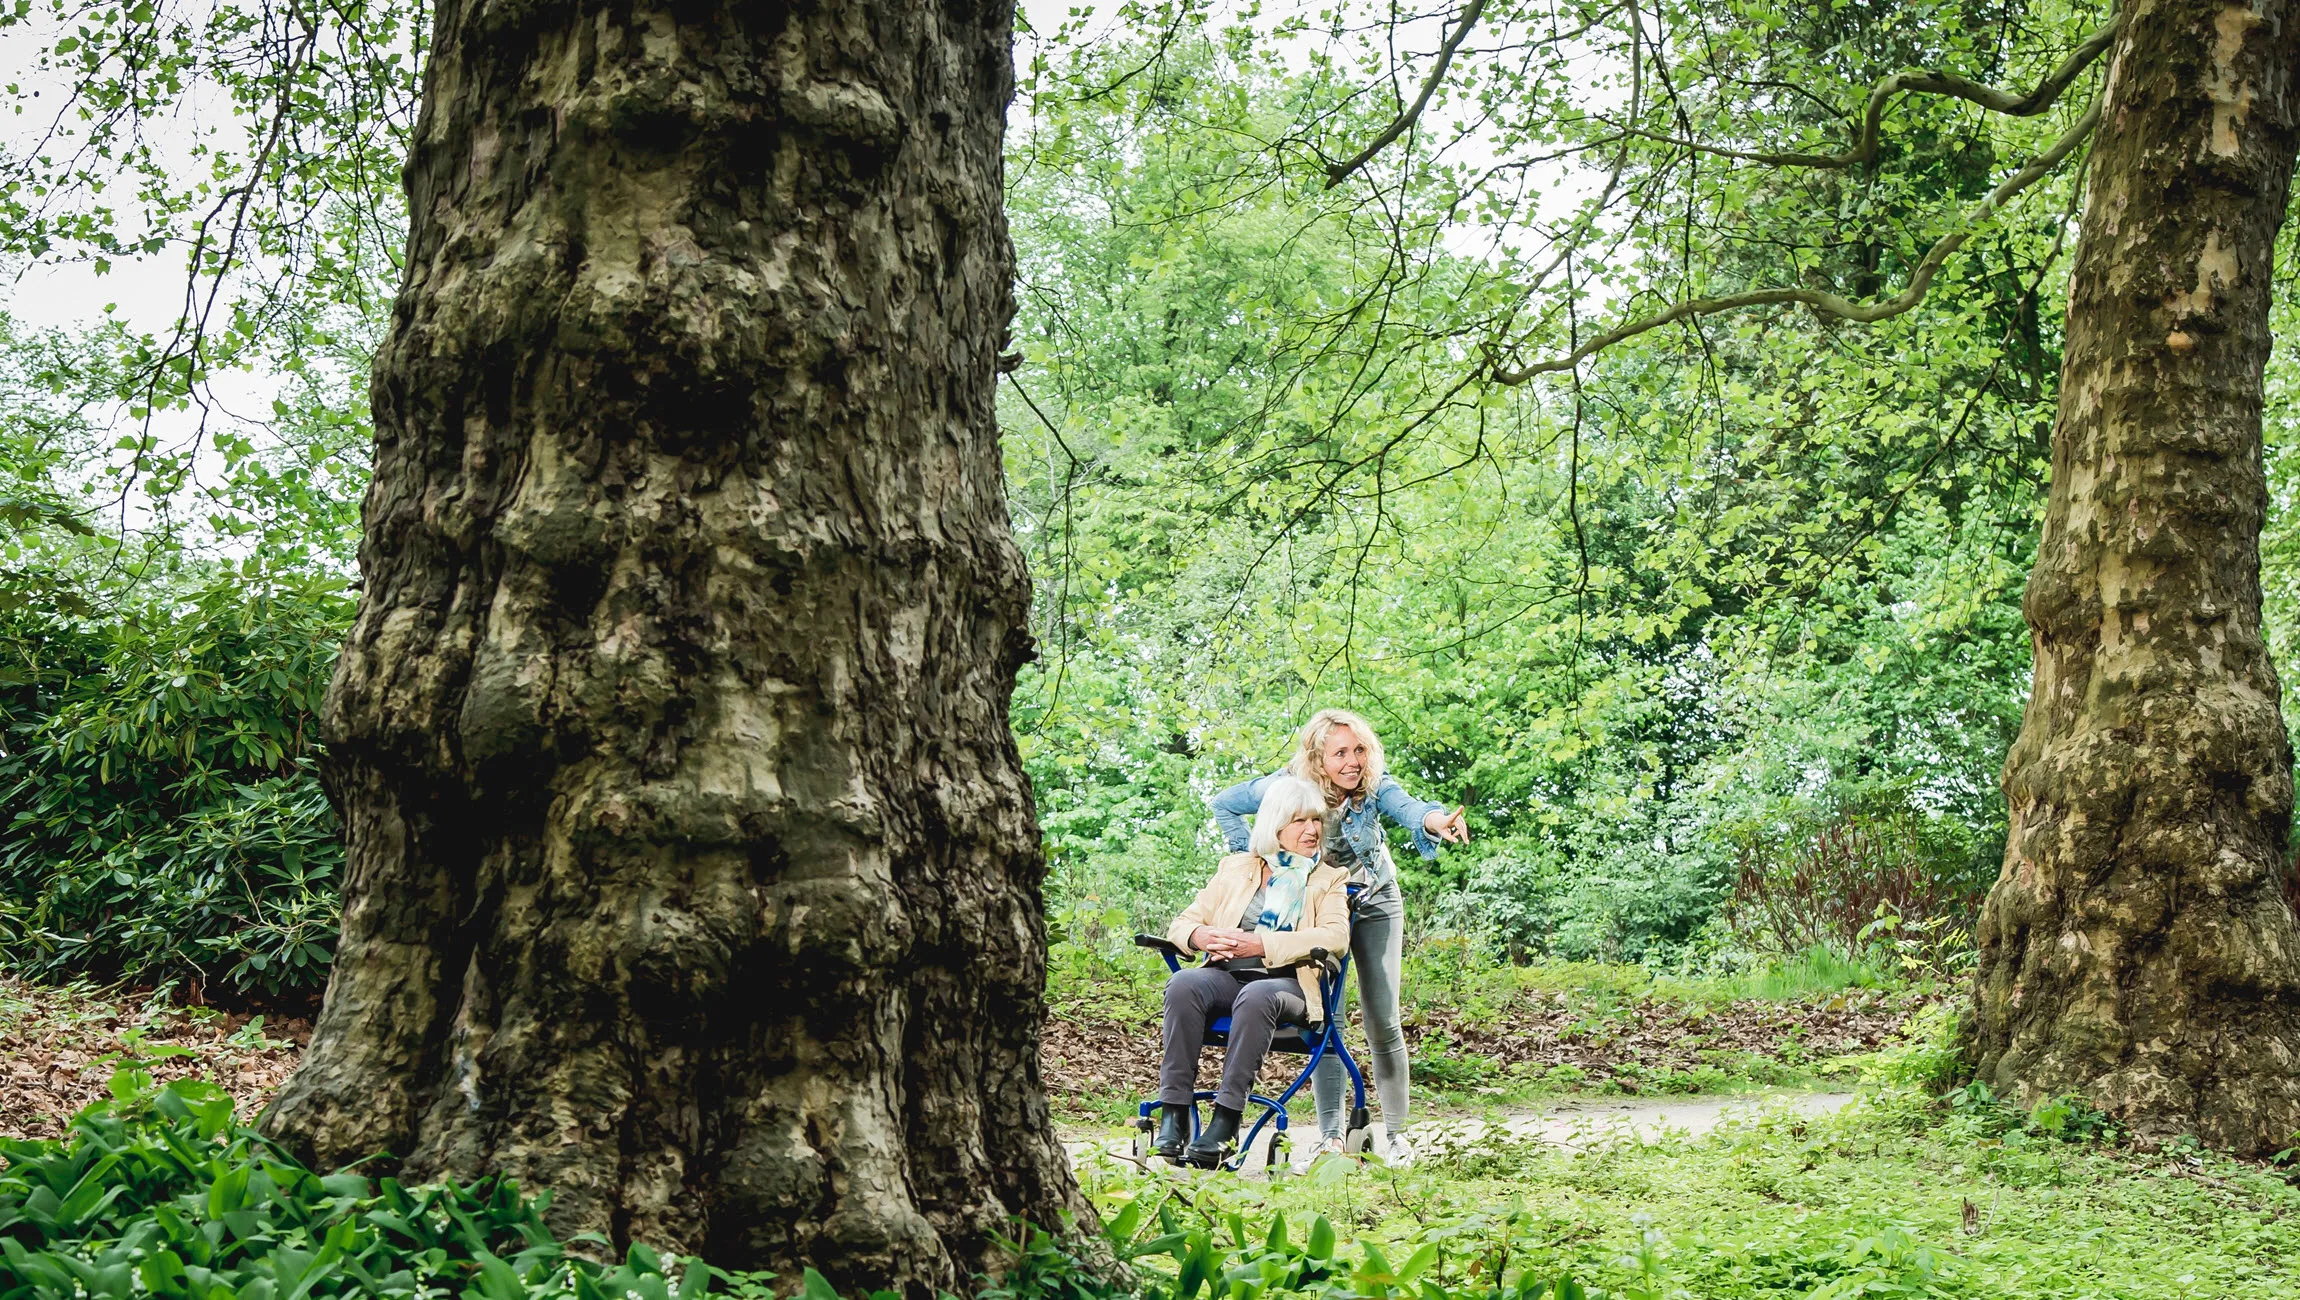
1579 1125
1571 1125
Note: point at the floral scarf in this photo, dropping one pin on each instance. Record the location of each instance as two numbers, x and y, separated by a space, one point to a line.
1282 897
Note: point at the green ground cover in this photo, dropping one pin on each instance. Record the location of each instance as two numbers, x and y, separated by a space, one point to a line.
1899 1196
1920 1189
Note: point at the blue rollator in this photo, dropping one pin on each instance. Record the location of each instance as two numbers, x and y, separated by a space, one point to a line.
1333 974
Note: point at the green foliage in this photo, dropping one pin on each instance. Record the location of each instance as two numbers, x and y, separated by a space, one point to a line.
1924 1064
1223 1257
1717 598
273 216
159 815
1976 1109
159 1193
1042 1266
1881 1199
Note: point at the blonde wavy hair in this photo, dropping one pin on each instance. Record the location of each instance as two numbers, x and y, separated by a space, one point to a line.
1308 761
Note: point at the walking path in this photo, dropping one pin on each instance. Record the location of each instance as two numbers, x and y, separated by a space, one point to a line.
1581 1125
1571 1126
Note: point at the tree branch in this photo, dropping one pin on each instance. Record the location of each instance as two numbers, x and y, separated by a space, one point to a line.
1820 300
1336 173
1923 81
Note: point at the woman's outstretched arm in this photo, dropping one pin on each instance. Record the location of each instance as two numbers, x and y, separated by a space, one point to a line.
1409 812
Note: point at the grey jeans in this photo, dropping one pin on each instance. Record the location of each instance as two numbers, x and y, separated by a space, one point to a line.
1199 995
1377 950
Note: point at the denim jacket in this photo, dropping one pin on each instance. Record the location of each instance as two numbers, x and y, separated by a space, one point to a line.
1355 840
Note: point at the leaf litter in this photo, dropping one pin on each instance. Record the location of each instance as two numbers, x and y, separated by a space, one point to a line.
60 1044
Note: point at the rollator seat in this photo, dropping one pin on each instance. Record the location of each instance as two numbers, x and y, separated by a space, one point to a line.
1289 1037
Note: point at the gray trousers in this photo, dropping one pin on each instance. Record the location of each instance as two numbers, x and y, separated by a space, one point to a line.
1196 996
1377 951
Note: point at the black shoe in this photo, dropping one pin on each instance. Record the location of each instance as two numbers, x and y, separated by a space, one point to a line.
1212 1145
1173 1132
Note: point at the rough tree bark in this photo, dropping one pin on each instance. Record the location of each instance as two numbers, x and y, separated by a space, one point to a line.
2138 947
693 872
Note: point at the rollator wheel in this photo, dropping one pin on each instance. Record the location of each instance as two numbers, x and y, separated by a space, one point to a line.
1358 1141
1275 1166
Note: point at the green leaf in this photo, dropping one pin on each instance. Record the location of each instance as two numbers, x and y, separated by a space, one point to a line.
813 1286
1321 1244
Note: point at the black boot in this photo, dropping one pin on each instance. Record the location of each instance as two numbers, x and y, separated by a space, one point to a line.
1173 1132
1212 1145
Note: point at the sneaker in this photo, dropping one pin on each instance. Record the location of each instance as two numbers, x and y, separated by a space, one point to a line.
1312 1152
1397 1152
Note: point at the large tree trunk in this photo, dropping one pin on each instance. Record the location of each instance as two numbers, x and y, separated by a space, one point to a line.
2138 948
693 872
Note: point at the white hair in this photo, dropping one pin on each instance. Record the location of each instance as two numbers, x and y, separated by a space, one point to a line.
1287 798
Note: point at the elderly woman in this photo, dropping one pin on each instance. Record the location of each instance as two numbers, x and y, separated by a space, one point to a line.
1338 752
1257 922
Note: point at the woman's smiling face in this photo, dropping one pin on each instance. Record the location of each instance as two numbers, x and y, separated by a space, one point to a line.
1302 835
1343 758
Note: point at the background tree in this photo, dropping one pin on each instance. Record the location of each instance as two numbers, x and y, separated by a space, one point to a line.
1722 594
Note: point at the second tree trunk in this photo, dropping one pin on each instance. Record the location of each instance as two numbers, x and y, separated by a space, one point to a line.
2139 949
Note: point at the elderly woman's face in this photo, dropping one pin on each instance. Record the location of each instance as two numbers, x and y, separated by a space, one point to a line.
1302 835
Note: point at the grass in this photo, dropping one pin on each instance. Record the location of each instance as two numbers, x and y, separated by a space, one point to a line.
1813 972
1899 1196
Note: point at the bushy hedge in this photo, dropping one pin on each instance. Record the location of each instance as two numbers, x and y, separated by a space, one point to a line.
158 1193
159 813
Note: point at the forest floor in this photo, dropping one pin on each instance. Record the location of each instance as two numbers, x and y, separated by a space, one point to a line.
60 1045
1507 1039
1717 1141
1498 1044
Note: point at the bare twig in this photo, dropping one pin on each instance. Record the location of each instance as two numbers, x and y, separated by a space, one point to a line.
1821 300
1336 173
1921 81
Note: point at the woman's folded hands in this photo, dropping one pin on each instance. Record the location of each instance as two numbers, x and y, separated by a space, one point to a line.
1224 943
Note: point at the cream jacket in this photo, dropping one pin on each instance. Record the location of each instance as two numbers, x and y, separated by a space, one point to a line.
1325 918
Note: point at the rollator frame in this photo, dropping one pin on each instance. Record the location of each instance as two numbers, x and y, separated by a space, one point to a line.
1333 973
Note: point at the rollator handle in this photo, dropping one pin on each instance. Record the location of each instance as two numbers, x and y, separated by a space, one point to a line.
1158 943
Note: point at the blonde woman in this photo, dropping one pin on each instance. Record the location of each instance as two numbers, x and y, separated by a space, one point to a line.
1256 922
1338 752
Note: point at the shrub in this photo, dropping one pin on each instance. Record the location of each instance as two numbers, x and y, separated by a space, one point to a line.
1614 898
159 814
1830 880
158 1193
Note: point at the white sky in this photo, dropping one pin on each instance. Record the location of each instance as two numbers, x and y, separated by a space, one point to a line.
148 293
